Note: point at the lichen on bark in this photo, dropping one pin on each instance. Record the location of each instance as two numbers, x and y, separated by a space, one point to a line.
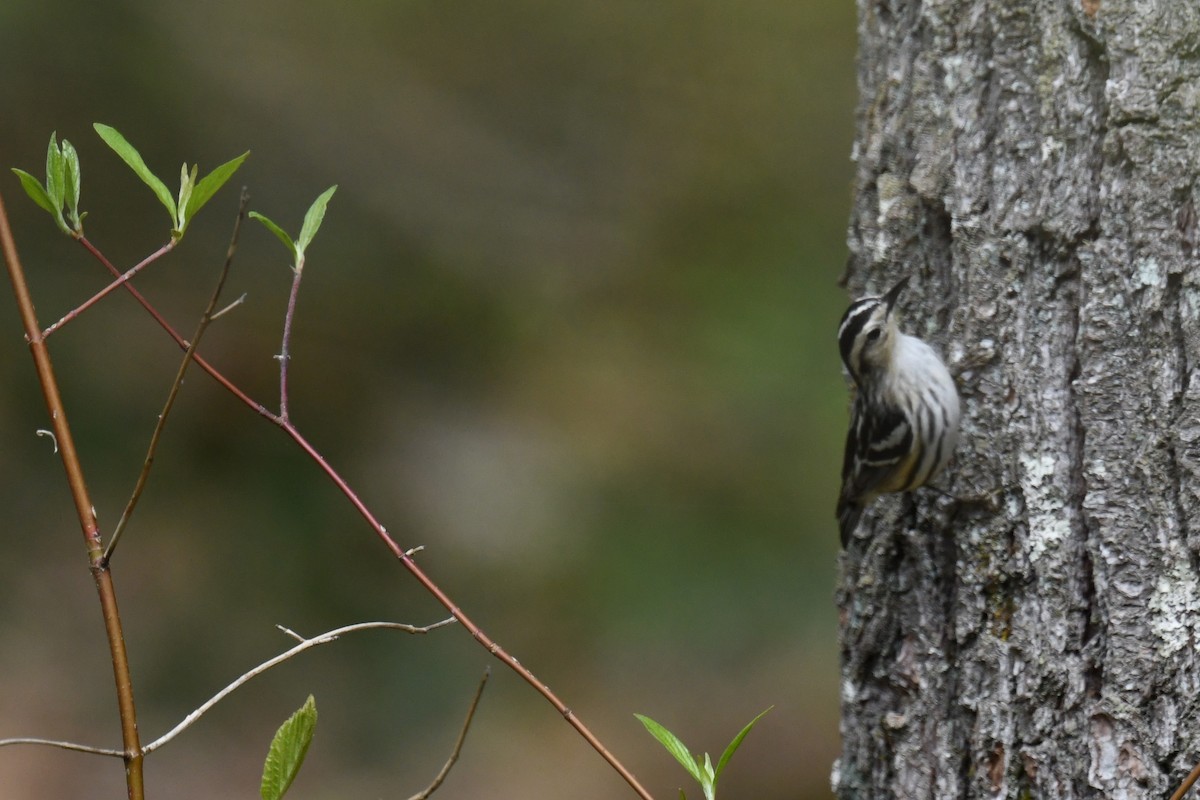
1033 166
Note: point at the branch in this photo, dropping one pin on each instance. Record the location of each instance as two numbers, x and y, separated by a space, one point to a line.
207 317
486 641
305 644
1187 783
458 745
381 532
120 281
81 748
285 350
179 340
83 508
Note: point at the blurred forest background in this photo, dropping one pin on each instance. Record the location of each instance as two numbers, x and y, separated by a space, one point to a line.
569 324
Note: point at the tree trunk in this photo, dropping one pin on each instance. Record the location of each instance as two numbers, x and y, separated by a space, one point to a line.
1032 164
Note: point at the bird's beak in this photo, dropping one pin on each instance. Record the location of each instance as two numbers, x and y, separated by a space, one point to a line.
894 293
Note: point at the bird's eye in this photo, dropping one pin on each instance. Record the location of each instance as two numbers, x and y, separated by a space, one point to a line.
874 335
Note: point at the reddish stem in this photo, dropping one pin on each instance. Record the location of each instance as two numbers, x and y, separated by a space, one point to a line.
399 552
120 281
179 340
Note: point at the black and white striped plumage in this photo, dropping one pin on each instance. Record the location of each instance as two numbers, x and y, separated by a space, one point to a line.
904 422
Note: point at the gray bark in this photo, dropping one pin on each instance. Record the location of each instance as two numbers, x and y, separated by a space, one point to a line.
1033 165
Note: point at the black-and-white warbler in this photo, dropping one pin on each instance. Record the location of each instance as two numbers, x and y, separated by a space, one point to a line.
904 421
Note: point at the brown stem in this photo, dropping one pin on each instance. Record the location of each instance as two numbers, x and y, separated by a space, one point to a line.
1187 783
205 318
425 793
404 557
83 508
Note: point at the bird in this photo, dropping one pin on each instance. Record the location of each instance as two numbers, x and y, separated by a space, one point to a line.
905 412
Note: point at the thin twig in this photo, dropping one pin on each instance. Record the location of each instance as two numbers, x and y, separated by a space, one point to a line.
132 750
458 745
120 281
80 748
229 307
1187 783
305 644
290 632
182 343
205 318
285 350
324 638
399 552
486 641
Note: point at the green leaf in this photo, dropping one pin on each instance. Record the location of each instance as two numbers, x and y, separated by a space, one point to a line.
288 749
33 187
278 231
38 194
312 221
73 182
186 182
709 780
673 746
209 184
736 743
55 173
130 156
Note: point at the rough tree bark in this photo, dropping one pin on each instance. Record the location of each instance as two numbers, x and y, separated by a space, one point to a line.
1033 165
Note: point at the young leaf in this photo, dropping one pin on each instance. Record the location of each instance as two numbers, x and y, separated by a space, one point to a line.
312 221
74 181
288 749
736 743
278 231
62 182
209 184
709 780
37 193
673 746
186 182
56 172
133 158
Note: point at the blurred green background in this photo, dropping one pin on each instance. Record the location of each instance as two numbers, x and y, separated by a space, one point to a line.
569 325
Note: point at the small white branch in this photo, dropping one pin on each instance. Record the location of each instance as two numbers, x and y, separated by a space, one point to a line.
290 633
82 748
229 307
305 644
